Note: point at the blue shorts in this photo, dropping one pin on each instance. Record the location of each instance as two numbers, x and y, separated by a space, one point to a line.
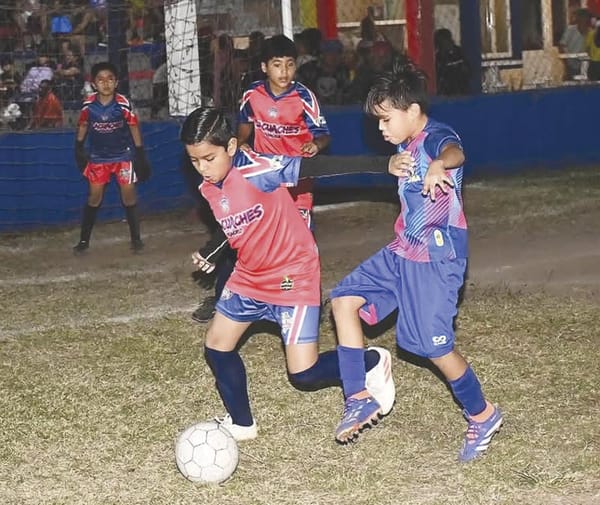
426 295
299 324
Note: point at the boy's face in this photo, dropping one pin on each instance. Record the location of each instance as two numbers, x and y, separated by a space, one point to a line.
280 73
397 125
210 161
106 83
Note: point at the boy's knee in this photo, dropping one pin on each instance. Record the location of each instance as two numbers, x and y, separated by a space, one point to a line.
346 304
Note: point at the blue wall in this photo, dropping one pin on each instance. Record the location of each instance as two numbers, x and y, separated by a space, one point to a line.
40 186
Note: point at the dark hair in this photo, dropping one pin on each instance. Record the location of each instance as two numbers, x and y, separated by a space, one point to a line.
404 85
104 65
278 46
206 124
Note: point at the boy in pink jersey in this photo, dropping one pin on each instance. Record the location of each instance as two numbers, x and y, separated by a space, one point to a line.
419 273
277 272
283 117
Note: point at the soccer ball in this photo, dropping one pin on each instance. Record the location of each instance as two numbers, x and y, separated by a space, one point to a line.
206 452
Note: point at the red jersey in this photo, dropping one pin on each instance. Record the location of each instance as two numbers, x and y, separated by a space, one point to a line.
283 124
277 257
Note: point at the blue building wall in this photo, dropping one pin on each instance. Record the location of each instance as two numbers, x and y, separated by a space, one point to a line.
40 185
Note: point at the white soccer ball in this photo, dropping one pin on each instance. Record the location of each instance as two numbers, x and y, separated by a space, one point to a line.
206 452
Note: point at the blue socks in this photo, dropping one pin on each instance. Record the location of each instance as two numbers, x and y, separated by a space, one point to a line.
324 373
230 375
354 364
467 390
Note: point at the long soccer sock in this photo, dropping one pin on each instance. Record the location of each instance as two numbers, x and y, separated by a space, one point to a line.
352 369
232 384
467 390
133 221
326 371
87 222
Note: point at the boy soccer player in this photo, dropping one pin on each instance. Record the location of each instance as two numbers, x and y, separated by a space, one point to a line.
115 147
283 117
421 271
277 272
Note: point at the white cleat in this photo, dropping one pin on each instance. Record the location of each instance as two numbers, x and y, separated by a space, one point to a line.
238 432
379 381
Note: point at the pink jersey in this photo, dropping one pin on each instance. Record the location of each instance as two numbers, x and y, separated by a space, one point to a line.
283 124
277 258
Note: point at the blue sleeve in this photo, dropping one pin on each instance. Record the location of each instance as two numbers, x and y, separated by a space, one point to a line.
246 111
313 116
268 172
438 138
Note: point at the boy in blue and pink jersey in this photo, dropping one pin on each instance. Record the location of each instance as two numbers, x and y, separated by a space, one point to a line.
112 129
421 271
277 272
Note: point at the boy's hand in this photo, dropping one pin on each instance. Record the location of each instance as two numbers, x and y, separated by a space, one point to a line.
309 149
81 156
141 165
244 147
202 263
402 165
436 177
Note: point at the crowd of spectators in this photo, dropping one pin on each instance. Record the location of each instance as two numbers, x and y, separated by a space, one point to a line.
62 34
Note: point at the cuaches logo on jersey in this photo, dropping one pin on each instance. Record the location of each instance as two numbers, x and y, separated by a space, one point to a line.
287 284
234 224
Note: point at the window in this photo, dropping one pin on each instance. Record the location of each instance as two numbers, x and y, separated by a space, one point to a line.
495 28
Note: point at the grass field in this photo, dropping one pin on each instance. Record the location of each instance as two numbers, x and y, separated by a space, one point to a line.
101 368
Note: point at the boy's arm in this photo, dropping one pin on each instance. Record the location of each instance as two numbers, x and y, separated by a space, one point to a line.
81 156
329 166
451 156
244 133
141 165
206 257
316 145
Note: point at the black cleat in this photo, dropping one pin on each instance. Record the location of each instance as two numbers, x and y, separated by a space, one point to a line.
137 245
81 247
205 312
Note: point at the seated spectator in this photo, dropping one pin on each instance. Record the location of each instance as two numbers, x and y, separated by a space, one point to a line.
253 72
308 44
369 34
47 110
334 76
452 71
60 18
39 70
10 80
31 20
573 41
372 60
88 26
68 77
593 49
9 31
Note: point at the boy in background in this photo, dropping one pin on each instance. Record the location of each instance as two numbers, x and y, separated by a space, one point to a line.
115 147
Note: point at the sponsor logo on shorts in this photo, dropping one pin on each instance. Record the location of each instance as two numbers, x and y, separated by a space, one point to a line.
226 294
439 339
439 238
286 322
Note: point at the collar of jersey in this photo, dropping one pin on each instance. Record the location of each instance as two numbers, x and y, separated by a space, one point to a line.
286 92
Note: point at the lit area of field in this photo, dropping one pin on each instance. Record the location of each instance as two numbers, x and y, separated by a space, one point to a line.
101 366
